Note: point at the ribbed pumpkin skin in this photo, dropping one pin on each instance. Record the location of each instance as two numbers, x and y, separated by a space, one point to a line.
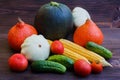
54 22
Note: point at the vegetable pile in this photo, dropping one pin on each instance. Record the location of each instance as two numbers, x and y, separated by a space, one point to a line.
50 51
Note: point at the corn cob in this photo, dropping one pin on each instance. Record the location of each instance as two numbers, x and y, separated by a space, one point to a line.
71 54
91 56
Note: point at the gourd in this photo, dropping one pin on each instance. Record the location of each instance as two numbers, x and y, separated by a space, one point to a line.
18 33
80 15
54 20
35 47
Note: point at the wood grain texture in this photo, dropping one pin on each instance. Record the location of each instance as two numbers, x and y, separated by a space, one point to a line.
102 12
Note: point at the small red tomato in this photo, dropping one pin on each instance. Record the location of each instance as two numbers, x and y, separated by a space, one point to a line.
57 47
96 67
82 68
17 62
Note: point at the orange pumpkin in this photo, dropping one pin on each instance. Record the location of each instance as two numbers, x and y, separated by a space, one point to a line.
18 33
88 32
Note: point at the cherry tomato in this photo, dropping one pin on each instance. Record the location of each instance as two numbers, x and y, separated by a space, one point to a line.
17 62
57 47
82 68
96 67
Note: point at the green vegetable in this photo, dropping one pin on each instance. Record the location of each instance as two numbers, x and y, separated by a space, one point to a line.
47 66
54 20
107 54
64 60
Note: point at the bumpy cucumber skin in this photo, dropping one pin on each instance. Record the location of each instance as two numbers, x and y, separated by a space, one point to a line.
47 66
64 60
107 54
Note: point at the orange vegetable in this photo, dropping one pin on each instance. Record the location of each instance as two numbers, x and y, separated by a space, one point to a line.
18 33
88 32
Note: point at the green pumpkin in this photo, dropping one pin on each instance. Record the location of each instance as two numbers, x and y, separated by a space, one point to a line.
54 20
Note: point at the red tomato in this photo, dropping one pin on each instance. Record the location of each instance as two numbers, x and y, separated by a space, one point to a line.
57 47
17 62
96 68
82 68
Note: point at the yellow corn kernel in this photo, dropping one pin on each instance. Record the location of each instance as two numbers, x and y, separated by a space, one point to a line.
73 55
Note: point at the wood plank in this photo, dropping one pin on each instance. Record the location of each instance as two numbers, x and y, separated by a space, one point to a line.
101 11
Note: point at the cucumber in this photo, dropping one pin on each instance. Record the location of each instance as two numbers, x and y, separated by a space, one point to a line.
64 60
102 51
47 66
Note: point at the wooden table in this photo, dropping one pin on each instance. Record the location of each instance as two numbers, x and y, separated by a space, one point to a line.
101 12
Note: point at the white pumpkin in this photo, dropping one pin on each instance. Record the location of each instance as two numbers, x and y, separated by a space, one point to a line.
80 16
35 47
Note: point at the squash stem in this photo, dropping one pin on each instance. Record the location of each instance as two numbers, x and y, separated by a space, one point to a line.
54 3
20 23
20 20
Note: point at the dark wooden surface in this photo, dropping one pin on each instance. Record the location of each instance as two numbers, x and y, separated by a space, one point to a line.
104 13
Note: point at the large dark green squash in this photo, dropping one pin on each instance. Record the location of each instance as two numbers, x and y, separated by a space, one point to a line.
54 20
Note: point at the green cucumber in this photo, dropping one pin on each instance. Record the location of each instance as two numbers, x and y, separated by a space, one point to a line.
64 60
102 51
47 66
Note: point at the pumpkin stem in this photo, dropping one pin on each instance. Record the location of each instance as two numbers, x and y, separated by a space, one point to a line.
21 23
20 20
54 3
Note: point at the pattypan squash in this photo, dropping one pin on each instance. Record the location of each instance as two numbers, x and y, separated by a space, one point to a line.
80 15
35 47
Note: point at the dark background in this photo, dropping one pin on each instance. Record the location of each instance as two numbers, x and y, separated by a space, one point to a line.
105 13
101 11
